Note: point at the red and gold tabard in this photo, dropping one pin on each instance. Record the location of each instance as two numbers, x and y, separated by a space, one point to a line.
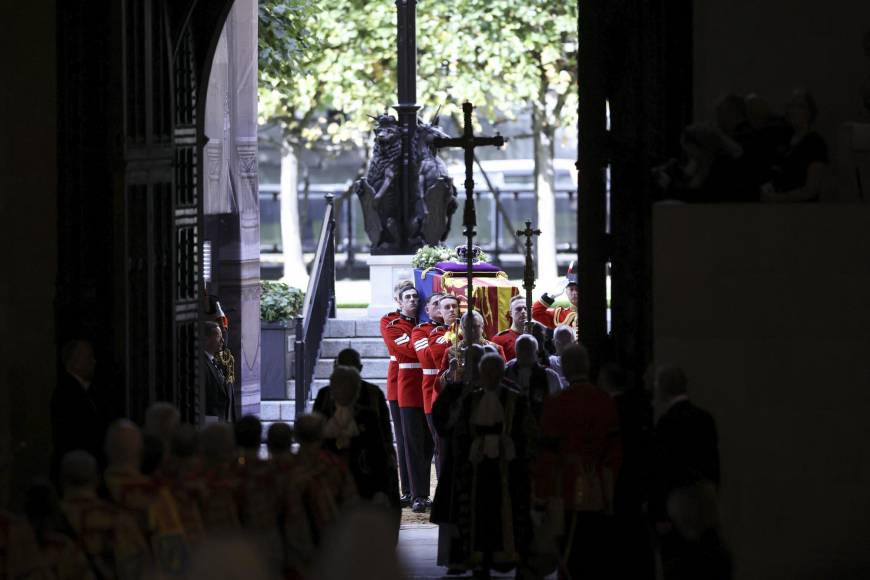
218 502
108 534
543 312
19 552
154 509
397 337
393 366
420 340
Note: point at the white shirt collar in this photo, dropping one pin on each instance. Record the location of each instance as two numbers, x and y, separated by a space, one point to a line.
674 401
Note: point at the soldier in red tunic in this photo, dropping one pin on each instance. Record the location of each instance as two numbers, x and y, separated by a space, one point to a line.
543 312
508 338
420 338
393 402
417 439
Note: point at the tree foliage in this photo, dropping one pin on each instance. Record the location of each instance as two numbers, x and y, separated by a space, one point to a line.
327 65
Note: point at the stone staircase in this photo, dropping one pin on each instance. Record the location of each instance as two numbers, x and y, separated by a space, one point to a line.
362 334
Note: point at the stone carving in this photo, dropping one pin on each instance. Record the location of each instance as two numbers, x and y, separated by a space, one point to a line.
430 204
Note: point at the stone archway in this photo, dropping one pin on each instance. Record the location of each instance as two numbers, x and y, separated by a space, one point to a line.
130 193
230 204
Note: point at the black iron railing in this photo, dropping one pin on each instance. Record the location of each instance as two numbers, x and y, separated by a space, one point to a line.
318 307
498 210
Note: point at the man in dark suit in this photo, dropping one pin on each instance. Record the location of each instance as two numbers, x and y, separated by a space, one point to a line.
79 416
219 403
686 441
686 453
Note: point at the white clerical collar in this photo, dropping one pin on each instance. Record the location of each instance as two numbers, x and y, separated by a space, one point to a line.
85 384
209 355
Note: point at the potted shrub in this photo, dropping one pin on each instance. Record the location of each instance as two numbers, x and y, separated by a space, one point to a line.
280 303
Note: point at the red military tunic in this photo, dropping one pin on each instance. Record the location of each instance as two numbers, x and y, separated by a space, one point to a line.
507 339
582 425
553 317
397 337
438 345
420 339
393 366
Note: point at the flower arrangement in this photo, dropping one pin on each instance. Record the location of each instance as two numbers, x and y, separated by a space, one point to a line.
429 256
279 301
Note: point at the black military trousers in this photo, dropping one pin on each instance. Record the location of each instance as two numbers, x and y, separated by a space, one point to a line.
418 449
400 447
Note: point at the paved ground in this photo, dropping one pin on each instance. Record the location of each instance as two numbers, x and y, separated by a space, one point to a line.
418 549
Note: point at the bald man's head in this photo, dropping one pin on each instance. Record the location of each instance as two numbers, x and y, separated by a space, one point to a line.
124 444
491 370
78 470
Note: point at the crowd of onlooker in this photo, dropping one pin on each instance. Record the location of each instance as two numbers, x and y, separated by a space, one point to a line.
603 479
748 153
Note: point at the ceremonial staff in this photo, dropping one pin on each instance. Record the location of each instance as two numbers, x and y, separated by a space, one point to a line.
529 271
469 215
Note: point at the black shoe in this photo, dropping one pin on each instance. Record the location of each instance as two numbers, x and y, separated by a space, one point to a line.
419 506
405 500
427 502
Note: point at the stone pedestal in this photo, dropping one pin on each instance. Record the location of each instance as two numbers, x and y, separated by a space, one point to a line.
384 272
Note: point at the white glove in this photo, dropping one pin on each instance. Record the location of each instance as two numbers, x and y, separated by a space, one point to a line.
559 289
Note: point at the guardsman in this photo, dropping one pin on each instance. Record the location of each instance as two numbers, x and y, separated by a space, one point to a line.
393 403
417 439
544 312
508 338
420 338
439 338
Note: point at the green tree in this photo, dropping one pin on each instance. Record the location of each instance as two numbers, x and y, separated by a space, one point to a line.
502 55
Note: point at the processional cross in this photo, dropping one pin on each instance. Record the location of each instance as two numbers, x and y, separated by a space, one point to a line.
468 142
529 271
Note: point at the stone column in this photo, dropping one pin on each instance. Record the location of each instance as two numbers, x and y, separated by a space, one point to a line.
242 289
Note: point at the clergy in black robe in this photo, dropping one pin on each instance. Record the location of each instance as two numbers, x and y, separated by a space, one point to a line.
355 434
484 486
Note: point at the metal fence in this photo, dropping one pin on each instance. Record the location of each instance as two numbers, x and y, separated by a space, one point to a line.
495 228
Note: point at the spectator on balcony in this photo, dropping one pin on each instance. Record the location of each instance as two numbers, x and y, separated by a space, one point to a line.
801 174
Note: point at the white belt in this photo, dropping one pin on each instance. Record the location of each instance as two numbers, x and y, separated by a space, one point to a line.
410 366
392 358
430 371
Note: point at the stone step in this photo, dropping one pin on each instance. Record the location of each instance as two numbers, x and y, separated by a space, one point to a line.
373 368
341 328
366 347
320 383
283 410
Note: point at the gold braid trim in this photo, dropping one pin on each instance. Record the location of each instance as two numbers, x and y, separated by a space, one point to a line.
228 364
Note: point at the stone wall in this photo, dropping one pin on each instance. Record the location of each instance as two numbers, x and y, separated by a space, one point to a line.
767 309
